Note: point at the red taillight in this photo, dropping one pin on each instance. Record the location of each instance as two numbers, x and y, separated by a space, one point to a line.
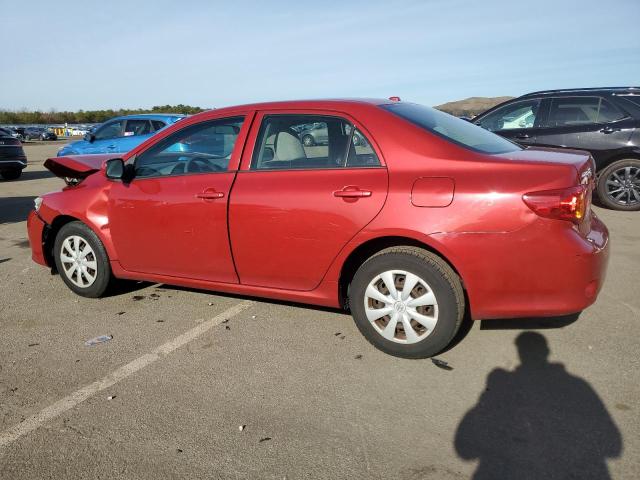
563 204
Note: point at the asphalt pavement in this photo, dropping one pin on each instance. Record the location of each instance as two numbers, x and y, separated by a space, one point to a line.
199 385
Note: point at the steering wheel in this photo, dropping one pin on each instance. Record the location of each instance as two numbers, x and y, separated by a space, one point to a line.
200 163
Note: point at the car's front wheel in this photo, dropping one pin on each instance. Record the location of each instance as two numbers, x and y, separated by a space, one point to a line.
82 260
407 302
619 185
308 141
11 174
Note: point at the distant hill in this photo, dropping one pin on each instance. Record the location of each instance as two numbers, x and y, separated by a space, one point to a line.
470 107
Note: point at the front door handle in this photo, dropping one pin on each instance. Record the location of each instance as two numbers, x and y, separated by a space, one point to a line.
352 192
209 194
609 130
523 136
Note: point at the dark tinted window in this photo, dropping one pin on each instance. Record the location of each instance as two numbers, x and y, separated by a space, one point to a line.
566 112
157 124
201 148
310 141
137 127
633 99
514 115
455 130
4 132
110 130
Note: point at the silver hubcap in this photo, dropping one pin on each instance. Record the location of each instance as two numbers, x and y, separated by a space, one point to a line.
623 186
78 261
401 306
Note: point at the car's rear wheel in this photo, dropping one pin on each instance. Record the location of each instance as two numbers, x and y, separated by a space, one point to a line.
82 260
619 185
11 174
308 141
407 302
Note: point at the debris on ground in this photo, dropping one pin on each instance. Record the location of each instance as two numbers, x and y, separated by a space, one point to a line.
227 327
210 304
441 364
242 427
136 298
265 439
121 313
341 337
358 357
159 321
98 340
33 344
226 320
337 334
111 397
154 295
179 450
253 316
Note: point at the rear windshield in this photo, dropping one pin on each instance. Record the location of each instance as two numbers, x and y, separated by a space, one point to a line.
455 130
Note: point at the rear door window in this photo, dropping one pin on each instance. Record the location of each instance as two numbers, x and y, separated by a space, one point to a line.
137 127
311 142
157 125
572 111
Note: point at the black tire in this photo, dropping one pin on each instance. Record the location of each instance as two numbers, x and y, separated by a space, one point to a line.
11 174
628 201
103 275
443 282
308 141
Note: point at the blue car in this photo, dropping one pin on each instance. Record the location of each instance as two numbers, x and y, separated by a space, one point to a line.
120 134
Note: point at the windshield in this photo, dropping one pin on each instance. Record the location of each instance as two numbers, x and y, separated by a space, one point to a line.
455 130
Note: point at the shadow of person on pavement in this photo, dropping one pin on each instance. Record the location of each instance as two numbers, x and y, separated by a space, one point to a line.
538 422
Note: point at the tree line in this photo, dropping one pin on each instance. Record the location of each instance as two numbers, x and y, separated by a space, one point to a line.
18 117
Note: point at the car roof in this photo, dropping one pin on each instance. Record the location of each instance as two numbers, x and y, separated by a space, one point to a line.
584 91
149 116
343 104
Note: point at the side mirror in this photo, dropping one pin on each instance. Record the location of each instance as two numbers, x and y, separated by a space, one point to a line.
89 137
114 169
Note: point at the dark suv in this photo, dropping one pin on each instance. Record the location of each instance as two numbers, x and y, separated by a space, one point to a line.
604 121
12 157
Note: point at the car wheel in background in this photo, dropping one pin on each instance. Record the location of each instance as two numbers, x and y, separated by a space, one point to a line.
11 174
619 185
407 302
308 141
82 260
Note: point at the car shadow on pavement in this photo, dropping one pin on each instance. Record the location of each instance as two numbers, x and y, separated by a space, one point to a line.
538 421
15 209
37 175
538 323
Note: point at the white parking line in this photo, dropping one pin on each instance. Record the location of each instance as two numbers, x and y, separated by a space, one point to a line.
67 403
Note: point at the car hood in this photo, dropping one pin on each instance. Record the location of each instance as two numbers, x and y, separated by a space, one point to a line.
77 166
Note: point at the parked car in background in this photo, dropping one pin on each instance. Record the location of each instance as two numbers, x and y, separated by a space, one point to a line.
317 134
48 135
120 134
31 133
14 132
429 213
12 157
603 121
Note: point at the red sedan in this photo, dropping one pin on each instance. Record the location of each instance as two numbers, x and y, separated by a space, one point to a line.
404 215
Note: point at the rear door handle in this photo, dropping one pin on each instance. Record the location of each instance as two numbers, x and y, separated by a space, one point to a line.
352 192
210 194
523 136
609 130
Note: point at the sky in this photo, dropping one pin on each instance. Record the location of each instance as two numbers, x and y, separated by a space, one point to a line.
137 53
